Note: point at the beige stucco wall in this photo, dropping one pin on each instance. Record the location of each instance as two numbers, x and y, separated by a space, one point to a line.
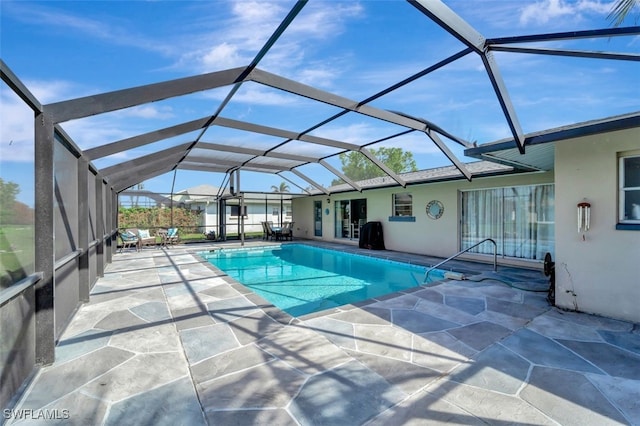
601 274
425 235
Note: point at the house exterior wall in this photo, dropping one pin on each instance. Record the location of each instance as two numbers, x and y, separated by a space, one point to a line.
600 274
256 213
424 236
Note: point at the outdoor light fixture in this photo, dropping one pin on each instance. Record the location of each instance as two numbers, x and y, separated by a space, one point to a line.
328 200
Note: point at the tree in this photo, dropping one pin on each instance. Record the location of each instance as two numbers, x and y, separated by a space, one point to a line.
358 167
8 192
621 10
282 188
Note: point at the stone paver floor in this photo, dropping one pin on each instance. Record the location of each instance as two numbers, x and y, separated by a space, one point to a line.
168 340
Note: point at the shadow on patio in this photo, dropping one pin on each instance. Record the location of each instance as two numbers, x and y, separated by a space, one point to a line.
168 339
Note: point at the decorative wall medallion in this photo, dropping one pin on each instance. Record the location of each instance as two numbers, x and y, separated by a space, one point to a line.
326 211
435 209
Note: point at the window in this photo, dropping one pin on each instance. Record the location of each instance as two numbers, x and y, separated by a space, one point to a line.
235 211
402 204
520 219
629 182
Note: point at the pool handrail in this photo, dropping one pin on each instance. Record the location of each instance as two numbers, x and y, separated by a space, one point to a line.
495 257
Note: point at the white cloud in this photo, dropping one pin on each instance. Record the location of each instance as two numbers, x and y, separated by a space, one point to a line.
221 56
93 131
356 133
16 132
124 33
235 40
255 95
316 76
552 11
52 91
319 21
146 111
17 129
542 12
597 7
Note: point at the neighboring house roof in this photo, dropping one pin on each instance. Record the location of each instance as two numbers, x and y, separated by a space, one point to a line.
204 190
207 193
157 198
202 193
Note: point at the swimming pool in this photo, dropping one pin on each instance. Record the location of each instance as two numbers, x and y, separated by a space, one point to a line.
301 279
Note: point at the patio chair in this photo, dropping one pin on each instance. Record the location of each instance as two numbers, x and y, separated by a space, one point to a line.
129 239
168 236
357 227
287 231
144 237
270 231
264 230
172 236
346 228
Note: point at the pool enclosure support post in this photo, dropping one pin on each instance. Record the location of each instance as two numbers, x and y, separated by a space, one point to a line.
44 239
99 226
84 285
109 221
241 218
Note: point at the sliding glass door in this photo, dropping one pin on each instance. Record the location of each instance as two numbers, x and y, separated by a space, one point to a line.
317 218
520 219
349 216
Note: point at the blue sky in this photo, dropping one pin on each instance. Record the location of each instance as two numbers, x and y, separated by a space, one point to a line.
67 49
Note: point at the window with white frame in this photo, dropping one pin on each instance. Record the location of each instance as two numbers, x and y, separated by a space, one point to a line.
402 204
629 183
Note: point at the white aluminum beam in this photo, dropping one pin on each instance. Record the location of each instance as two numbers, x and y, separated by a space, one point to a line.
166 154
140 169
384 167
256 152
127 181
567 35
503 98
238 164
271 131
310 181
293 183
287 85
571 53
144 139
460 29
341 175
203 168
120 99
451 22
19 88
450 155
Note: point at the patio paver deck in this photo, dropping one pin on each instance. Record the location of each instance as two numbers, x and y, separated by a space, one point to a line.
167 339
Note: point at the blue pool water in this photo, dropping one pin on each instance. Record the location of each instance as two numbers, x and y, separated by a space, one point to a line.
301 279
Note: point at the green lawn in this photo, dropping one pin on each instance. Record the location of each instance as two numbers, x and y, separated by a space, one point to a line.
17 253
